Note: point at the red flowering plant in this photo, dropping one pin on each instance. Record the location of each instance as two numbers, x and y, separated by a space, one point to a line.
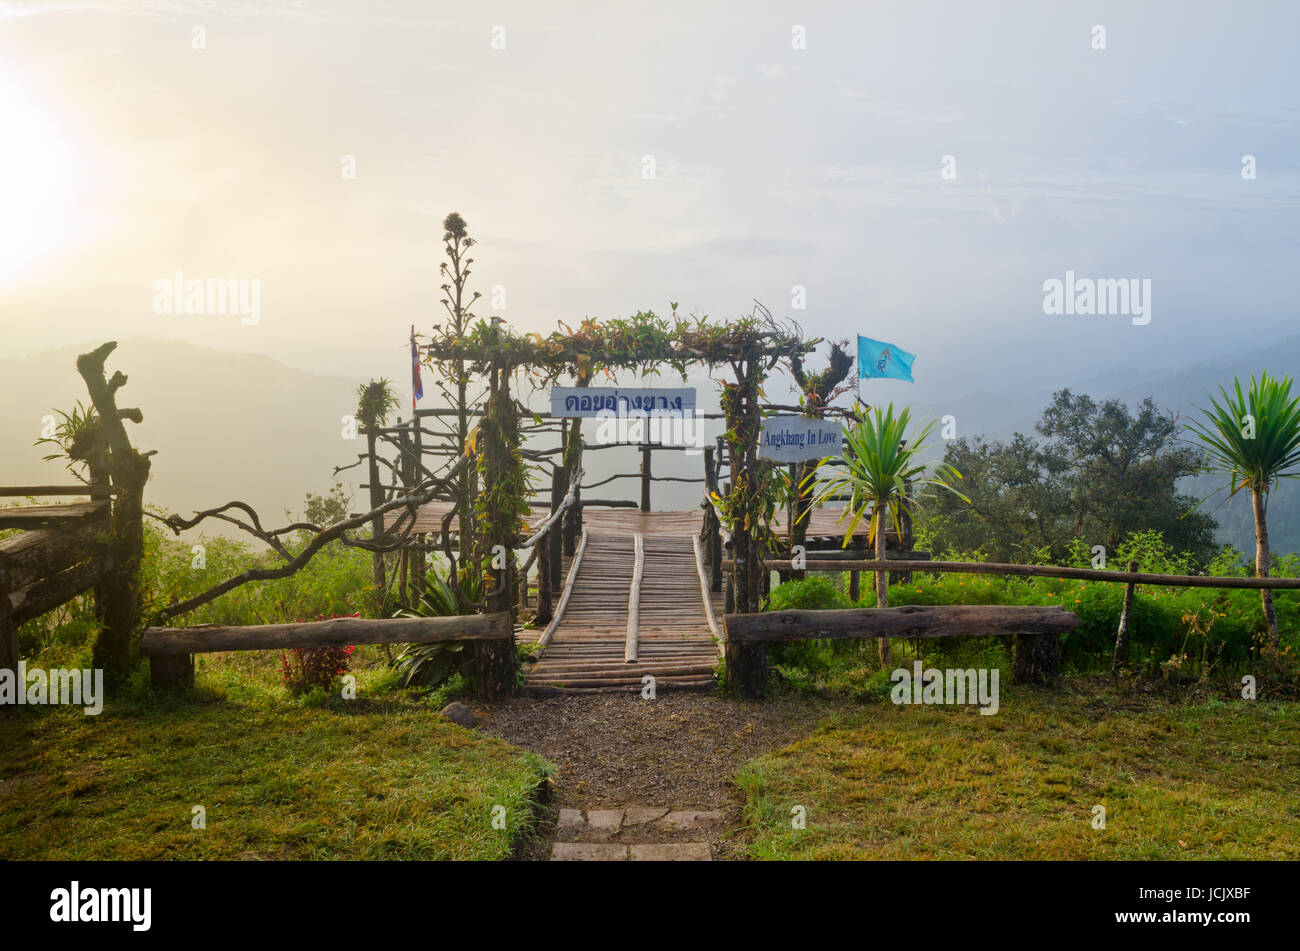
303 668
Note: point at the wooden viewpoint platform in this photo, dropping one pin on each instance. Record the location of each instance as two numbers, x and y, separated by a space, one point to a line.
636 604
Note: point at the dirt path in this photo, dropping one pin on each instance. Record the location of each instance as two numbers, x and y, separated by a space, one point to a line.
681 749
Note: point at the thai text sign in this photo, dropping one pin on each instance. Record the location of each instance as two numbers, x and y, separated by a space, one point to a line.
798 438
592 401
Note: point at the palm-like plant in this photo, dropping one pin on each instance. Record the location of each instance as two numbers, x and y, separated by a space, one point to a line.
1254 438
880 462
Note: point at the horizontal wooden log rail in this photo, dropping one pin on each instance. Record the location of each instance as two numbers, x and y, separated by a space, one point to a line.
1034 571
908 620
170 649
1037 630
21 491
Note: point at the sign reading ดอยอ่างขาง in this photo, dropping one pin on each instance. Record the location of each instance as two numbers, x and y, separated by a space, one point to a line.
595 401
798 438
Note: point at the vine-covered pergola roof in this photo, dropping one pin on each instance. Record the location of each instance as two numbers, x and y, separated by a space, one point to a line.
644 342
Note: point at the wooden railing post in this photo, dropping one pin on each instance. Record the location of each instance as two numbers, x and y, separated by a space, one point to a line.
645 478
377 523
747 668
495 661
1125 619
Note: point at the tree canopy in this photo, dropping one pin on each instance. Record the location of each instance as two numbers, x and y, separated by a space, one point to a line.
1098 473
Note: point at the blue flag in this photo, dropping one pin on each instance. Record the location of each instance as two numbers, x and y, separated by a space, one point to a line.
878 359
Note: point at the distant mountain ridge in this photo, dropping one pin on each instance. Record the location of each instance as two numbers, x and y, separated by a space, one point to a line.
242 426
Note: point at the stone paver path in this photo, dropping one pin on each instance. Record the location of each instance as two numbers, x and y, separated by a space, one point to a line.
637 833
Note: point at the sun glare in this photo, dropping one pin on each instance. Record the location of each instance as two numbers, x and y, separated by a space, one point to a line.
41 182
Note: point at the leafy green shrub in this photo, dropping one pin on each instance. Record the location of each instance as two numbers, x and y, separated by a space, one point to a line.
814 593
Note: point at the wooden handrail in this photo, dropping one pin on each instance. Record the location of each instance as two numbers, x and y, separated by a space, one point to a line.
1033 571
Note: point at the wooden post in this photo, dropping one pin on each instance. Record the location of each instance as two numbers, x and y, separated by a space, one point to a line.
1037 659
855 577
715 526
8 631
129 470
554 539
747 668
377 523
544 602
729 598
546 574
169 671
645 478
1125 619
418 568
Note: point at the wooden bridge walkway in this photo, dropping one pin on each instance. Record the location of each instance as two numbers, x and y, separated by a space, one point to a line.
623 621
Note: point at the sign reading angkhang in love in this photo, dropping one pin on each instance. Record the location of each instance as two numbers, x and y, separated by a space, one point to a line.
798 438
589 401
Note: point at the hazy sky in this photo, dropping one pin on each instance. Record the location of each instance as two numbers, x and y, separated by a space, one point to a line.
127 155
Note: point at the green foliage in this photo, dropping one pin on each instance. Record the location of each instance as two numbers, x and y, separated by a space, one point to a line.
1253 437
79 438
432 665
327 509
1176 634
1100 473
375 401
814 593
880 462
337 580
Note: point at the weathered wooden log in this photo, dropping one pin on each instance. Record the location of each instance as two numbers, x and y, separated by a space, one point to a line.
39 516
22 491
910 620
48 593
1041 571
30 556
335 632
632 641
547 634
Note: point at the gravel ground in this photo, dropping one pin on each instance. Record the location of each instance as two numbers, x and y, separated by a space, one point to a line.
679 750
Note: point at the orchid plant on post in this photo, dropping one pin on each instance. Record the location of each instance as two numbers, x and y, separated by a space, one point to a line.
879 463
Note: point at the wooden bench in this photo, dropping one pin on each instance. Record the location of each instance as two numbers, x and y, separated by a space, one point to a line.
171 650
1037 631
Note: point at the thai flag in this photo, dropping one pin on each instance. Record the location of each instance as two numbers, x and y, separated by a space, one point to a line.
417 387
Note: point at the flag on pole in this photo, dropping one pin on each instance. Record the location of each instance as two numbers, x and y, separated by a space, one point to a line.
417 387
878 359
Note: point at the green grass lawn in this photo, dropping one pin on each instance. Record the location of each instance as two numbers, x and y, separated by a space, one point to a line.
1178 781
379 777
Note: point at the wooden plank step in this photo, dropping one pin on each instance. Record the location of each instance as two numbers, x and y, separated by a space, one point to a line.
33 516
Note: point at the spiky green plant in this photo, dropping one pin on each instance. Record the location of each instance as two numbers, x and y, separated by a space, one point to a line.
880 462
1253 437
429 665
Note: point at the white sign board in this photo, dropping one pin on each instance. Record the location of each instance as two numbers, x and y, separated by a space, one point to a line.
798 438
595 401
